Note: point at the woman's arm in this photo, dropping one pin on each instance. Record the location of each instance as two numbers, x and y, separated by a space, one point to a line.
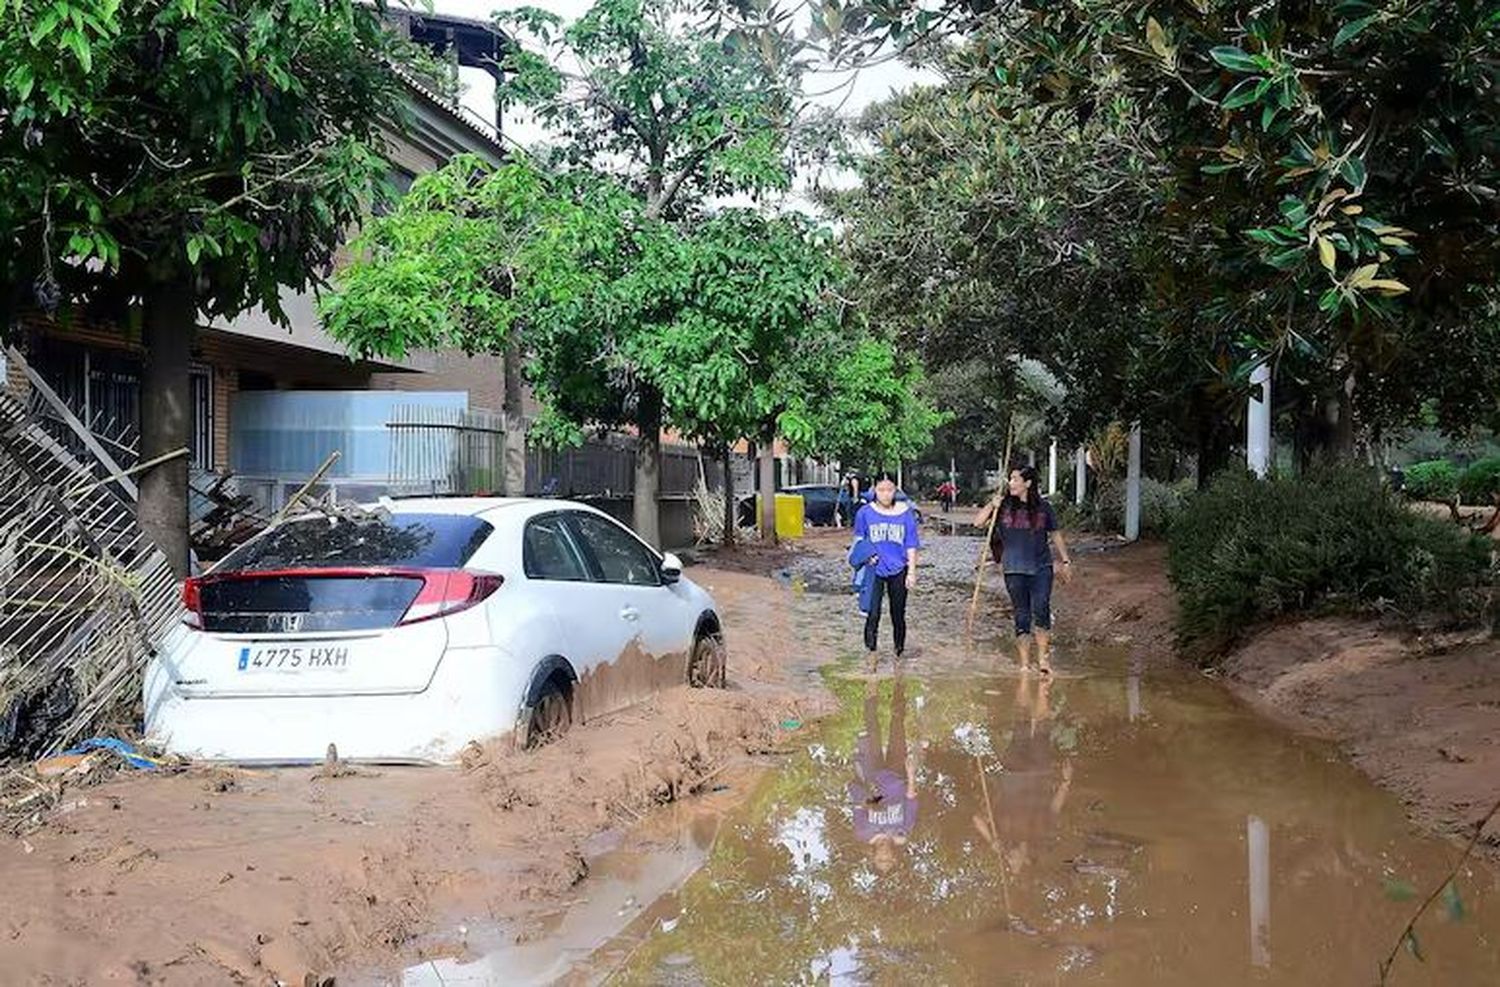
983 517
1061 547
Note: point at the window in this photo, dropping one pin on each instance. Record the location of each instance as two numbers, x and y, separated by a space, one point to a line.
621 558
200 380
420 541
547 551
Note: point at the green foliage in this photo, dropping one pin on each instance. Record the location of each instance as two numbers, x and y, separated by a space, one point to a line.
223 147
1433 480
1103 510
1152 198
660 97
440 269
633 303
1247 551
1480 483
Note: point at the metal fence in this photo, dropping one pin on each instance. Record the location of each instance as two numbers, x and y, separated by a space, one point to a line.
447 450
84 596
604 466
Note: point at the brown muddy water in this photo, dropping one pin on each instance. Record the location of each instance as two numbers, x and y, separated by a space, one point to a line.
1122 824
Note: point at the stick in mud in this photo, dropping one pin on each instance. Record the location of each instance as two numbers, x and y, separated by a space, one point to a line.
984 546
292 501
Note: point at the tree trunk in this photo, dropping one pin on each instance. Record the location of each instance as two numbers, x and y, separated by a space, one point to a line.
166 420
731 514
646 505
513 478
768 491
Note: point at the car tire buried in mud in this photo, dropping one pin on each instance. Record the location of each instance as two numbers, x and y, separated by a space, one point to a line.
549 716
707 669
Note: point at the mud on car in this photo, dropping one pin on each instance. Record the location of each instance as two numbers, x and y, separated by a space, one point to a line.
405 630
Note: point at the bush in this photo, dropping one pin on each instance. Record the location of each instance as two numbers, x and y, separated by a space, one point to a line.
1104 511
1435 479
1481 481
1246 551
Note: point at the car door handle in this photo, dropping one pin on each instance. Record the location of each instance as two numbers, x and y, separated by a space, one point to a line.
630 613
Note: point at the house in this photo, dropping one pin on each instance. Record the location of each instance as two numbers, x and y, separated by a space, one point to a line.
95 367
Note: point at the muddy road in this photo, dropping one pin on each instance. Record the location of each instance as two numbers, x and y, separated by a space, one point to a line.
1128 822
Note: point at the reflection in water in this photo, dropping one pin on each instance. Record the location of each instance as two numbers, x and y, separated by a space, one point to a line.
996 831
1258 842
883 794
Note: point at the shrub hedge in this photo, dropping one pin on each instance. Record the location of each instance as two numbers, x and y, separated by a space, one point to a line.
1245 551
1436 479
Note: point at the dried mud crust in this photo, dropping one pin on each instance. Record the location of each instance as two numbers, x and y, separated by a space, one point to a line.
224 875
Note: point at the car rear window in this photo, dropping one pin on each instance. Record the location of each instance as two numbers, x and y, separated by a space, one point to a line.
420 541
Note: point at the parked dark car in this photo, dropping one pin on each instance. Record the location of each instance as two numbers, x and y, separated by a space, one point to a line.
820 502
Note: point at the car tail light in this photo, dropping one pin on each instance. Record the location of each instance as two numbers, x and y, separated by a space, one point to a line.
447 591
192 601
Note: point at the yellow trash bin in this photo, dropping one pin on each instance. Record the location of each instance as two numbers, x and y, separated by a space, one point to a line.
791 515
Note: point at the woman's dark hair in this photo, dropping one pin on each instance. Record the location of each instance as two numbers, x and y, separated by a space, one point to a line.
1032 505
883 476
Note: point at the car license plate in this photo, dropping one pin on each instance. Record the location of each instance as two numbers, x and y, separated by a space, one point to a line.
293 659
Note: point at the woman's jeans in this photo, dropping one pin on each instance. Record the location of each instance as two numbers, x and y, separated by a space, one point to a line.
896 587
1031 598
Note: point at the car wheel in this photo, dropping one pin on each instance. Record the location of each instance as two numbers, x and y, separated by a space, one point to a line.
708 667
550 716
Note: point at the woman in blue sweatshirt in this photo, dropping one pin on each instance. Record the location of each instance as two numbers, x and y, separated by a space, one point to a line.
892 529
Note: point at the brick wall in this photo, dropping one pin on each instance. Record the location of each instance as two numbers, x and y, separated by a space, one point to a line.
482 376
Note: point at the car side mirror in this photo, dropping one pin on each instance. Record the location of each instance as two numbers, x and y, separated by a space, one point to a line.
671 568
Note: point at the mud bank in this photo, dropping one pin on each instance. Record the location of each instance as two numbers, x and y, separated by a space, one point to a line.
238 876
1419 716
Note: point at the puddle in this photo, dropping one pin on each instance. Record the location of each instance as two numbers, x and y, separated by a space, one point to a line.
1107 827
1114 826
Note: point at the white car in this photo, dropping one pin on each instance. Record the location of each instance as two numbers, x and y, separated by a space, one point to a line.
403 631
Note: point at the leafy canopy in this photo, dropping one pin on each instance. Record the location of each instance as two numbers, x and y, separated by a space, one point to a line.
224 146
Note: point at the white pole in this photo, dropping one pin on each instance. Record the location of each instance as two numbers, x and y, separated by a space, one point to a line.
1258 841
1133 486
1081 475
1258 422
1052 469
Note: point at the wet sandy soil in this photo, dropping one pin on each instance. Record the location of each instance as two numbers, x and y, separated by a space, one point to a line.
240 876
519 869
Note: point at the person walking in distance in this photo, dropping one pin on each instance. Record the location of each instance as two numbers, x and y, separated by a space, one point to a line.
947 493
891 528
1026 536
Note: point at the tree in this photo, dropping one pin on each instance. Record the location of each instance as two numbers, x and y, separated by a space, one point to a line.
675 109
1327 184
173 159
723 318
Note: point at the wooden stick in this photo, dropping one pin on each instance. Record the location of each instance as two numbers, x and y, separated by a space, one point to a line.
1385 967
333 457
984 546
122 474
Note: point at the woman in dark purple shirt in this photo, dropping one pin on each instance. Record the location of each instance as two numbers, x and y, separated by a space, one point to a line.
1022 535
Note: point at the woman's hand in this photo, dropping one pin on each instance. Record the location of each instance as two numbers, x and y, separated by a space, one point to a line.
911 577
1067 573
